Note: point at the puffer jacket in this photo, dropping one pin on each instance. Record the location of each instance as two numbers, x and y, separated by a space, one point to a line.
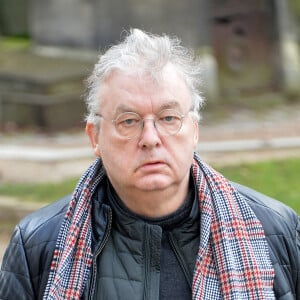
26 263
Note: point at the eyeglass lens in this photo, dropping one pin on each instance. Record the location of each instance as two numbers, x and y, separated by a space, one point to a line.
130 124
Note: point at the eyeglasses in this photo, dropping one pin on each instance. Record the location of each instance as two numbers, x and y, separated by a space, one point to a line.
130 125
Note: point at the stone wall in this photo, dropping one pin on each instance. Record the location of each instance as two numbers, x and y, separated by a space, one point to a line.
62 22
99 23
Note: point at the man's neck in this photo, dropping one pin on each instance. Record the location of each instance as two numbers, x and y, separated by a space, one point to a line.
154 204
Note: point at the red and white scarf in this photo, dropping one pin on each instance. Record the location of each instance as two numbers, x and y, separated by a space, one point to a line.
233 260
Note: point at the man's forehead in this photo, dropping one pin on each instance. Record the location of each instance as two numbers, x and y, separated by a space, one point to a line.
161 104
124 92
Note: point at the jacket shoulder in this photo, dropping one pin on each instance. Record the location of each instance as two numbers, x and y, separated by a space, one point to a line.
43 224
274 215
27 259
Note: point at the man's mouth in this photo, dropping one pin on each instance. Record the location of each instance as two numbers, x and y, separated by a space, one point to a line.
152 165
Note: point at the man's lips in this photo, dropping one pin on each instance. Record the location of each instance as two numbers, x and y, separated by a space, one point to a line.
152 165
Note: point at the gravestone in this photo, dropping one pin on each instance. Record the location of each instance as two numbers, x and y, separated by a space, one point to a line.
62 22
98 23
254 47
43 93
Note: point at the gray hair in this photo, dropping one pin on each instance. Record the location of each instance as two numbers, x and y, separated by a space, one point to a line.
142 53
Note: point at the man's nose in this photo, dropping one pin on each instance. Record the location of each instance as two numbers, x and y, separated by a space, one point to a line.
149 136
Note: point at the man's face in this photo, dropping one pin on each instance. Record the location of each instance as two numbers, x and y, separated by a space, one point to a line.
149 162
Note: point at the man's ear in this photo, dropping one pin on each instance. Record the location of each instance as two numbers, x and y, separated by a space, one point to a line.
93 135
196 132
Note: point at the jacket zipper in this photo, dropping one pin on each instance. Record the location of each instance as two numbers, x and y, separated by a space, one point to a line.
180 259
147 263
97 252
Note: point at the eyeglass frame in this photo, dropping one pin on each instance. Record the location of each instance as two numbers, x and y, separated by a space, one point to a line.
142 120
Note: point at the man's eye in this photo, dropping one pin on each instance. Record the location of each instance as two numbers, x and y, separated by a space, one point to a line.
129 122
168 118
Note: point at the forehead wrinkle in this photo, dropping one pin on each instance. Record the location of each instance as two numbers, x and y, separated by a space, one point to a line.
170 104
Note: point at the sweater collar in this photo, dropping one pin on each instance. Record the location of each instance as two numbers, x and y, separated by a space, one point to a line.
121 214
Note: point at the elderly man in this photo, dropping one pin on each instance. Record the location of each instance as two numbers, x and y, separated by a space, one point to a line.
149 219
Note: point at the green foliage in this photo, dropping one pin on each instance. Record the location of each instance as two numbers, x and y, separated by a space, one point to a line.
295 7
44 192
15 43
277 179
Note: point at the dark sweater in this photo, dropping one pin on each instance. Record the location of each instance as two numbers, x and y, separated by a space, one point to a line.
176 261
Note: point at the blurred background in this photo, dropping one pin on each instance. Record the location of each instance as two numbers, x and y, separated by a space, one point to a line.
247 48
250 52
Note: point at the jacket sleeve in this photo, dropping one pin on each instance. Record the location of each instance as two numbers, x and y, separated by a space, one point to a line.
15 281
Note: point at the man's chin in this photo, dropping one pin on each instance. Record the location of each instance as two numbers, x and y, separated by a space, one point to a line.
154 183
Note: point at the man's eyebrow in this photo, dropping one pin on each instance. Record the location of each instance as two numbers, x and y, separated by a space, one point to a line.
122 108
170 104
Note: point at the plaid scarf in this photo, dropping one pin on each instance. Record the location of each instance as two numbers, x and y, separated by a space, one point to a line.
232 262
233 259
